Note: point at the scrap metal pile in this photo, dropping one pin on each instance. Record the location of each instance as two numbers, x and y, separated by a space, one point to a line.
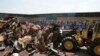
25 38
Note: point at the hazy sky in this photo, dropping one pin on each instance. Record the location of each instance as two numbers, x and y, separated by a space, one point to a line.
48 6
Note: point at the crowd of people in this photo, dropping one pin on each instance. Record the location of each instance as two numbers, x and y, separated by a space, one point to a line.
63 25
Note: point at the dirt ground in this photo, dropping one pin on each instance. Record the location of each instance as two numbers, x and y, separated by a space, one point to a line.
78 53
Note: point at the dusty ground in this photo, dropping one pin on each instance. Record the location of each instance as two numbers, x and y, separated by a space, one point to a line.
78 53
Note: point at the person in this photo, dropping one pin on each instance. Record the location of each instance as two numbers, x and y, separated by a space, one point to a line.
90 30
81 27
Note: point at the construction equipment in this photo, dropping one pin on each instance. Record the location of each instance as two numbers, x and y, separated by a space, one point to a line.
90 38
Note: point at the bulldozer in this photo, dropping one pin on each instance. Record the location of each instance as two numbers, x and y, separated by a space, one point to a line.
89 37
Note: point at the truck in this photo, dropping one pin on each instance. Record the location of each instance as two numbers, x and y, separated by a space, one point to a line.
89 37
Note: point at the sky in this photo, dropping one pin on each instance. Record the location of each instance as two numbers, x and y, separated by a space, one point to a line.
48 6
